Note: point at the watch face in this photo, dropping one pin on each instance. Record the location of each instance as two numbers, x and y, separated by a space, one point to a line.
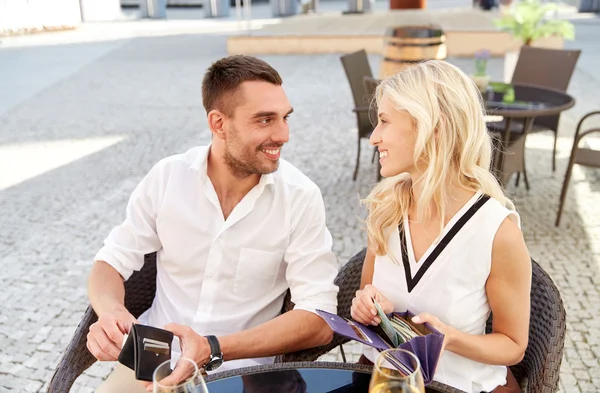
213 364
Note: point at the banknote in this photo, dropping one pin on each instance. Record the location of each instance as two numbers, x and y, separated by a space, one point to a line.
403 329
387 327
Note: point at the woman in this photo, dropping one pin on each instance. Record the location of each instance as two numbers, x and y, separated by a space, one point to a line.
444 241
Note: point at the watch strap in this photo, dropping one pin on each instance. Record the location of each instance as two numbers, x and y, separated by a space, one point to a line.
215 347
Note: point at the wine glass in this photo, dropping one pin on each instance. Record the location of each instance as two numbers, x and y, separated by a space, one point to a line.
193 384
397 371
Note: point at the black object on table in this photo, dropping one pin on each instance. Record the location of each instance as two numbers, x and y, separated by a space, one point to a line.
520 102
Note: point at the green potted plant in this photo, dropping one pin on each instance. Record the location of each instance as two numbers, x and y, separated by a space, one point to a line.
530 20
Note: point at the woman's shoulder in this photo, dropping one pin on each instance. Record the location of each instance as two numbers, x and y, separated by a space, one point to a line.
509 251
508 233
501 212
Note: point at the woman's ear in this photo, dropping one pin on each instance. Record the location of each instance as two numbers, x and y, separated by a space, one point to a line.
216 122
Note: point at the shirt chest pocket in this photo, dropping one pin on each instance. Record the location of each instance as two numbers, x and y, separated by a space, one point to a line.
256 271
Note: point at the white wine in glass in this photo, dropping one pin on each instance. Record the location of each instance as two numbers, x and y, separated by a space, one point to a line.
397 371
193 384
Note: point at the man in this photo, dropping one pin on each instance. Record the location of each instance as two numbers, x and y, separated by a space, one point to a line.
235 227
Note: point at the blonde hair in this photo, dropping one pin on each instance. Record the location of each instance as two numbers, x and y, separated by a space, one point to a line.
452 140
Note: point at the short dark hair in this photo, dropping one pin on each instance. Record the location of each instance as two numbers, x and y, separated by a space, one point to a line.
225 76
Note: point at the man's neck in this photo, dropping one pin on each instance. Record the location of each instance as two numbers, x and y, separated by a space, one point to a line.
230 189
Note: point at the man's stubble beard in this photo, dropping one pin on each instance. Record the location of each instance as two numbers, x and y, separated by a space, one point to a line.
244 163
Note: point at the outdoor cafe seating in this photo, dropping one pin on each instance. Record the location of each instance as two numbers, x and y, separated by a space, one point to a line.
537 372
538 97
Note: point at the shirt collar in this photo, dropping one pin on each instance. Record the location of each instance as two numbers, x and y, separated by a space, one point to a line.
200 165
269 178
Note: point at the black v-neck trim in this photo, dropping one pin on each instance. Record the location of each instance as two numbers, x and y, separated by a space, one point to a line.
412 282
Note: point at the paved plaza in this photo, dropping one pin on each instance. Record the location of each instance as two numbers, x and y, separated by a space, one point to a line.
82 123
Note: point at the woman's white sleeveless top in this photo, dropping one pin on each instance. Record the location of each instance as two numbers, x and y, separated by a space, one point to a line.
452 287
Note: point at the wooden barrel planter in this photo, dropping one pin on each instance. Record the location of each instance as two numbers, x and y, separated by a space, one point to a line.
407 4
408 45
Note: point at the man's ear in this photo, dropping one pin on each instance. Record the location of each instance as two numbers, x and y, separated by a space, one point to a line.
216 122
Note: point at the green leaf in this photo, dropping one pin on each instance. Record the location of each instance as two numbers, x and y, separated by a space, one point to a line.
529 20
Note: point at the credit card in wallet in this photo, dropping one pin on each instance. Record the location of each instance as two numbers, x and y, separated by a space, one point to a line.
156 349
156 346
156 342
387 327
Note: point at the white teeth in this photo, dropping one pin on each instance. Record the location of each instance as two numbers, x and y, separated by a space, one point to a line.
272 152
383 154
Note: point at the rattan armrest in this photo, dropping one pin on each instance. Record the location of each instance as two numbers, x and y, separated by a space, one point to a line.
76 358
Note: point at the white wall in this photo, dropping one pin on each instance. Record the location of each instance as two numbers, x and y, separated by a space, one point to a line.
100 10
27 15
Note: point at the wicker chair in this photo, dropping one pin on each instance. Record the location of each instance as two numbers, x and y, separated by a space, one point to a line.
539 370
580 155
356 66
348 280
552 68
139 294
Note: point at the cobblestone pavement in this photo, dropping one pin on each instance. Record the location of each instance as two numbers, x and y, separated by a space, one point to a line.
126 104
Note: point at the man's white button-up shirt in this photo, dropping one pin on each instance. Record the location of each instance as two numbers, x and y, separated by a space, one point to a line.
223 276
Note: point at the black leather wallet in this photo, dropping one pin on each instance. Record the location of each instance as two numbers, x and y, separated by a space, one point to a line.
145 349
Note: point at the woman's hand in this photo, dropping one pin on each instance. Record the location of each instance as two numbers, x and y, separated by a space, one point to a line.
363 309
447 331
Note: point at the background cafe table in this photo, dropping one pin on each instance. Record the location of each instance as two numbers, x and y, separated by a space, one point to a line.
300 377
519 102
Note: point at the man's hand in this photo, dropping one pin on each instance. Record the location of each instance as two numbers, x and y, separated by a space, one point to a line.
105 337
193 346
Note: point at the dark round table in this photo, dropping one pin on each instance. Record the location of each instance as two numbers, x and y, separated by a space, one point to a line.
520 102
311 377
301 377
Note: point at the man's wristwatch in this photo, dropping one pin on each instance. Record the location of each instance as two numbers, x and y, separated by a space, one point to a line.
216 356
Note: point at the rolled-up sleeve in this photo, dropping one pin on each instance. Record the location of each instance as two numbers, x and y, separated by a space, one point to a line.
126 244
312 266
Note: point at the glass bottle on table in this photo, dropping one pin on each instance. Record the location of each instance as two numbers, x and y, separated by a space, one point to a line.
397 371
193 384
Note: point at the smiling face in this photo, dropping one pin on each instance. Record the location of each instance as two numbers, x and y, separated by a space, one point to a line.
395 137
257 129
